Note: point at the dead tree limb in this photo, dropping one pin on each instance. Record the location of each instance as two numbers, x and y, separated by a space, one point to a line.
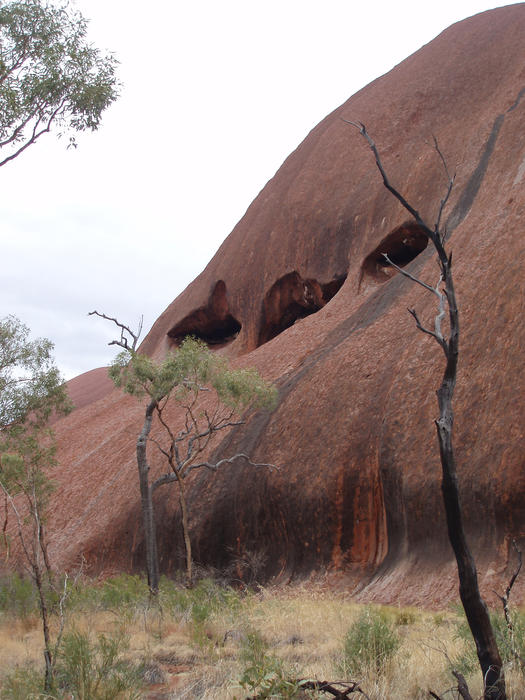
505 598
505 602
124 340
473 604
342 691
462 685
338 690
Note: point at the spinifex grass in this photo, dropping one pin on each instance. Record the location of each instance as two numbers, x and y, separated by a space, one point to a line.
196 643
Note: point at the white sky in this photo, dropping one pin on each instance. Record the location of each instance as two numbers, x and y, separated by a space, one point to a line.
216 94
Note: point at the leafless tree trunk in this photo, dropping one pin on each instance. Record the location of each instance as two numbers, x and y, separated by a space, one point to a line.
473 604
186 531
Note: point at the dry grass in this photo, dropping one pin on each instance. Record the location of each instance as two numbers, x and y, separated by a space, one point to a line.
305 629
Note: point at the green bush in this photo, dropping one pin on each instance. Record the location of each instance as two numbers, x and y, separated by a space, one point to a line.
206 601
369 643
22 683
123 591
18 596
96 670
264 675
511 643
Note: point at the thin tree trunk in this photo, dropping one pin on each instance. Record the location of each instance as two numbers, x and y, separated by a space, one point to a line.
148 516
44 614
473 604
185 530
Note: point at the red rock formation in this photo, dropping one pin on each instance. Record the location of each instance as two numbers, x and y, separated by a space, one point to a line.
357 494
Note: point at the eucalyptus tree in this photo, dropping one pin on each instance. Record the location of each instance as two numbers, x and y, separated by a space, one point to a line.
31 390
210 397
51 77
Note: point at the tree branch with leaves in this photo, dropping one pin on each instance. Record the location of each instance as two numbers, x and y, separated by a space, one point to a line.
51 77
31 390
210 396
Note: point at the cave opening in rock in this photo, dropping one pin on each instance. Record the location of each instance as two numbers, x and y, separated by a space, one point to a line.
212 323
401 246
331 288
211 331
292 298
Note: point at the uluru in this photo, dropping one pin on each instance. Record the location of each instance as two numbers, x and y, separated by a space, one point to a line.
300 291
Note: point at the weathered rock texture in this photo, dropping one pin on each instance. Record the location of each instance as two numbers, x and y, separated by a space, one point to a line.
300 291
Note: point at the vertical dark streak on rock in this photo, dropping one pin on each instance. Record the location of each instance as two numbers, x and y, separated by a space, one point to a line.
471 190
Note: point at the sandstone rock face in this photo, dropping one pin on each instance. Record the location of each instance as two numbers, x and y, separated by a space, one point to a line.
300 290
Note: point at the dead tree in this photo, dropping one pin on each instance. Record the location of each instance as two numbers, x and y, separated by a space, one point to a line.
475 608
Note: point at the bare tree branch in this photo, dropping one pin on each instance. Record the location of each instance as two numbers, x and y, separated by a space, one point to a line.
473 604
505 602
228 460
436 334
505 598
124 341
445 199
462 685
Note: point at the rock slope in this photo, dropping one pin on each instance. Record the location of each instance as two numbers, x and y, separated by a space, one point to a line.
299 290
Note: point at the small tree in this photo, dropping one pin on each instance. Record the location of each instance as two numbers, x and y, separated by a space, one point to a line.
31 390
212 398
475 608
50 76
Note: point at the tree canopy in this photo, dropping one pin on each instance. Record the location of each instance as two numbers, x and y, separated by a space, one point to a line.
212 397
187 370
50 75
31 387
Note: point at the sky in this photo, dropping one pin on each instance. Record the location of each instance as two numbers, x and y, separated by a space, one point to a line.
215 95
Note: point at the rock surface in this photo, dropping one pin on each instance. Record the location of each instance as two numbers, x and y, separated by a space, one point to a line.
299 290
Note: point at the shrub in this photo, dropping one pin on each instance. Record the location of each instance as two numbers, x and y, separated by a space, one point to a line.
369 643
18 596
22 683
264 675
511 643
123 590
96 670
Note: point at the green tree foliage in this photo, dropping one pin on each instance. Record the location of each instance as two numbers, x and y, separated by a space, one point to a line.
30 384
212 397
369 643
31 389
50 75
183 374
208 397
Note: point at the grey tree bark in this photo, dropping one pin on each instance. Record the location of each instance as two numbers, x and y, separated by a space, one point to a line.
146 500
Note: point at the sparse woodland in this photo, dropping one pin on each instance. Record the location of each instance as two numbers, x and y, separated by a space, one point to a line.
216 635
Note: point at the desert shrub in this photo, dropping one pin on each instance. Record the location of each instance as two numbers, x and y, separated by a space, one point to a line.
511 643
405 616
96 670
22 683
123 590
208 601
207 598
18 596
264 675
369 643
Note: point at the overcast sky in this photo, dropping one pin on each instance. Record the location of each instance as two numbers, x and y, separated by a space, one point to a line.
216 94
